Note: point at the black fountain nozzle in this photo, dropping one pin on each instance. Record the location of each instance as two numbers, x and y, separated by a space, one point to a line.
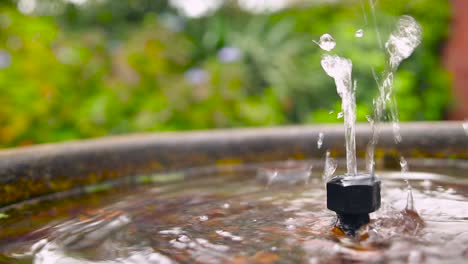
353 198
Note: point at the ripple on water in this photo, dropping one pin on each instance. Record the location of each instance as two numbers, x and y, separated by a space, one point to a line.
240 219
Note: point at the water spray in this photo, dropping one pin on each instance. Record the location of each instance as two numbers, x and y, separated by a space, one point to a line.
352 196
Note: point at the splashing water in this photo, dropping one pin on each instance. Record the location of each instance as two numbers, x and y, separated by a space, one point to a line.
400 45
404 171
329 168
320 140
340 69
326 42
403 40
409 199
403 165
359 33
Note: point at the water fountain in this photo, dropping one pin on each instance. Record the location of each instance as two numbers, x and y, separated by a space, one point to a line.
194 196
354 195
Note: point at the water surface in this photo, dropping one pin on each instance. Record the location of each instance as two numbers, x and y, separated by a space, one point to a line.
232 216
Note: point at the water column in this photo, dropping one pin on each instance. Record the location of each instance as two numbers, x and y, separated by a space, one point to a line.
352 196
340 70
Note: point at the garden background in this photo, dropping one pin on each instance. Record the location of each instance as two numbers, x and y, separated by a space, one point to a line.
72 69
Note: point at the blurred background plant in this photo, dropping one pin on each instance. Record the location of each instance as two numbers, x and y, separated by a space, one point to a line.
86 68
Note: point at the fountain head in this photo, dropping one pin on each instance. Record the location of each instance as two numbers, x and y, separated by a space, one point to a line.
353 197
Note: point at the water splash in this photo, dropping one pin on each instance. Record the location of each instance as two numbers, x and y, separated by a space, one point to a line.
329 168
403 40
400 45
404 171
326 42
359 33
403 165
340 69
409 199
290 172
320 140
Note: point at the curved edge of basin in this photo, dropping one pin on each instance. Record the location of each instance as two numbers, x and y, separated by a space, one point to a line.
37 170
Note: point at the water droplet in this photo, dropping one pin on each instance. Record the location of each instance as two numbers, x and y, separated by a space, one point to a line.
404 40
320 140
326 42
337 67
359 33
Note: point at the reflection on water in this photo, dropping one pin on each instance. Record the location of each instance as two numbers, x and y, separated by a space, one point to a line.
236 218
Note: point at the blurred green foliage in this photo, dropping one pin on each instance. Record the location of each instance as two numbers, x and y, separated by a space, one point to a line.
111 67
